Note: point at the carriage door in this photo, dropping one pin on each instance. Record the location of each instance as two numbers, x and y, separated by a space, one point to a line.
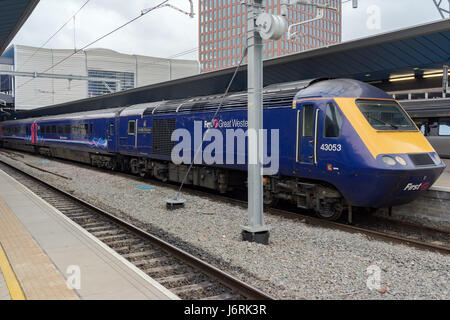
144 137
307 133
34 128
111 134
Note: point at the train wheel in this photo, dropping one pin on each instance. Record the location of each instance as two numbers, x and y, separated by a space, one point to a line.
142 172
269 200
331 211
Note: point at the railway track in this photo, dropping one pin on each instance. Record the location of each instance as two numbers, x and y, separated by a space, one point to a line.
377 228
182 273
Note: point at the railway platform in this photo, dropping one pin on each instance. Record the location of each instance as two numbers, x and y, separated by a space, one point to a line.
44 255
443 183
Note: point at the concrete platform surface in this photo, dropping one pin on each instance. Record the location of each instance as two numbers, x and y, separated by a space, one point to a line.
4 292
443 183
54 258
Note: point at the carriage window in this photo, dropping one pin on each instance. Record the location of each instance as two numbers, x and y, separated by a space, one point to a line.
131 126
333 121
444 128
47 129
60 129
53 129
84 129
111 129
74 129
67 129
92 128
308 120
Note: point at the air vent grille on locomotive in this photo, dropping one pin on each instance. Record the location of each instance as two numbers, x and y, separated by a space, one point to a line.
162 131
421 159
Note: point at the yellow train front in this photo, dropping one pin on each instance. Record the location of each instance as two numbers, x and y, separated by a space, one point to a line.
363 143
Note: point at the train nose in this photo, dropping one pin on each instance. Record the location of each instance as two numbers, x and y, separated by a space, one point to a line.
407 185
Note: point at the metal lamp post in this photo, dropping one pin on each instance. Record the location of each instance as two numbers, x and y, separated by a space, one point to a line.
261 26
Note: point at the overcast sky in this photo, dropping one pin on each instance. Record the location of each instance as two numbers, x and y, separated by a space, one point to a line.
165 32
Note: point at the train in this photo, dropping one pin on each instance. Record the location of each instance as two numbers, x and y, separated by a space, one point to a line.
342 143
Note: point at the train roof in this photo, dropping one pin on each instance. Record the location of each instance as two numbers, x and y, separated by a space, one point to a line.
280 94
342 88
104 113
275 95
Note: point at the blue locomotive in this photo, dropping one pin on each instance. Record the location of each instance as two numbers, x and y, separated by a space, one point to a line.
342 142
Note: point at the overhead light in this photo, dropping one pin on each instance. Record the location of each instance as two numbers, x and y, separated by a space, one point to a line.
433 75
412 77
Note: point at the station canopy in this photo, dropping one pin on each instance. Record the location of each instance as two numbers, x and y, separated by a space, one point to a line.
408 51
13 14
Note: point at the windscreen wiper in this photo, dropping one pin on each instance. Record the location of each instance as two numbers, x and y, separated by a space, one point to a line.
381 121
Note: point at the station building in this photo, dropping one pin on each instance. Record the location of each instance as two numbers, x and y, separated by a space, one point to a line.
33 77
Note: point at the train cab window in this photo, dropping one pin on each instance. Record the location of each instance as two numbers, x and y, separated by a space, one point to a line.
333 121
60 129
385 115
67 129
444 128
131 127
308 121
27 128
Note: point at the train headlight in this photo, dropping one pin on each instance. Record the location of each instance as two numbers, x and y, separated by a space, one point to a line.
400 160
388 160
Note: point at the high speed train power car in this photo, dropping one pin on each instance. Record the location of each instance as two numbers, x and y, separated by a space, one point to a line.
342 142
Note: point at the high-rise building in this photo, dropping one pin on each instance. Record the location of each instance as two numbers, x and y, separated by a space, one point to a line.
223 26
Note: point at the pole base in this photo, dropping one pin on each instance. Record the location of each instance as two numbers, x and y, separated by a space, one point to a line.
172 204
258 237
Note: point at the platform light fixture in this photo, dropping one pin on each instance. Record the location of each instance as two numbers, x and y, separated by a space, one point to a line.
404 78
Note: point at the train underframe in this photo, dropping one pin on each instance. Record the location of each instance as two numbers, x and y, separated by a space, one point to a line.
324 199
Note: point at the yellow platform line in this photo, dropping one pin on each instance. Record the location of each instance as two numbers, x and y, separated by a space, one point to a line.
15 291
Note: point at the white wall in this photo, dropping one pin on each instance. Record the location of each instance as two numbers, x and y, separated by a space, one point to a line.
40 92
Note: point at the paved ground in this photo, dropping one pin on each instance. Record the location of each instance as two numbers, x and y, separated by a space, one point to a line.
443 183
4 293
45 249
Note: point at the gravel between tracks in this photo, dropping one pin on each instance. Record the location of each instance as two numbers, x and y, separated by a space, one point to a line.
301 261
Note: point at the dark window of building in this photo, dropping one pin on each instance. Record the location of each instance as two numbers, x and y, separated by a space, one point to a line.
333 121
98 88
